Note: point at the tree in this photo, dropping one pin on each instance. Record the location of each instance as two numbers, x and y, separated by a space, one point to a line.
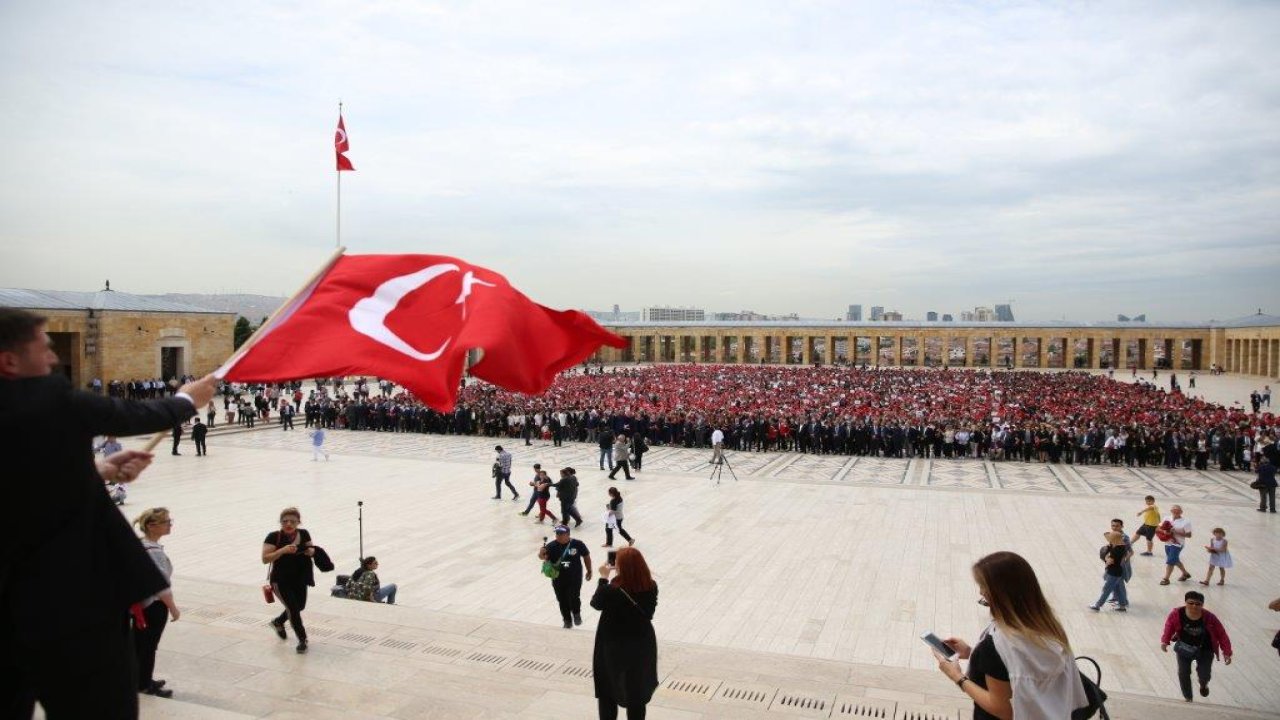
242 331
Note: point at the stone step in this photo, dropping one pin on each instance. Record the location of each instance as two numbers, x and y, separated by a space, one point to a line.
374 661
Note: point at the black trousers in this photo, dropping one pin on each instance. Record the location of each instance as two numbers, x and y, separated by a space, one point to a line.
609 710
622 465
1267 495
568 594
1204 669
568 510
497 485
294 600
200 448
608 533
86 674
146 641
175 445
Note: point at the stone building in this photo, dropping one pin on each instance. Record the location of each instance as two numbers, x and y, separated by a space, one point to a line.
111 335
1249 345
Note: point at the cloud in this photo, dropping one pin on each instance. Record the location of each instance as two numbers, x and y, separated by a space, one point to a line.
740 155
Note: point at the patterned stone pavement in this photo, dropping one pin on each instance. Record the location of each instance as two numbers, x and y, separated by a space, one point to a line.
1210 486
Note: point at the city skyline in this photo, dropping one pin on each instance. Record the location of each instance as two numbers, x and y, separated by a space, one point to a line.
727 155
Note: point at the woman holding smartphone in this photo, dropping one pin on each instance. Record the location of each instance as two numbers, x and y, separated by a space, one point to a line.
1022 665
289 551
625 661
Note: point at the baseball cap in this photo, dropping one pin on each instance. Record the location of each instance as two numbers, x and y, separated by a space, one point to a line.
562 529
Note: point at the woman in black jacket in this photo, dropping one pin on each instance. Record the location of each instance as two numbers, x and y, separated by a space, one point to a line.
625 662
289 552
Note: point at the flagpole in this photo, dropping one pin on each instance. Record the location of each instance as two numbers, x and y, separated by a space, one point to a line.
261 332
338 171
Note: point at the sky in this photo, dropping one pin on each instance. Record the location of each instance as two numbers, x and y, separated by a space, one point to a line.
1078 159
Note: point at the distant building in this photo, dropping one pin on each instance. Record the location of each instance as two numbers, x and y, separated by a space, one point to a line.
893 316
946 317
670 314
854 314
967 316
931 316
1122 318
1135 318
984 314
877 313
616 310
1004 313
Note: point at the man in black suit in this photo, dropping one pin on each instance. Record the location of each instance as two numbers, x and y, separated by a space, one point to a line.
70 566
198 433
177 437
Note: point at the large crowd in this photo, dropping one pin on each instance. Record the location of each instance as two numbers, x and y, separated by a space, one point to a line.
1070 417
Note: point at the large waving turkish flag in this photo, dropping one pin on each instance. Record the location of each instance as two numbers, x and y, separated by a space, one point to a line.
412 319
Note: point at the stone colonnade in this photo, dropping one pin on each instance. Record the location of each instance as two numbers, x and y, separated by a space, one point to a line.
933 346
1252 351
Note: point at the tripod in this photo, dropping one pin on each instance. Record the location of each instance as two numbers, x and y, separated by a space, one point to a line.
718 463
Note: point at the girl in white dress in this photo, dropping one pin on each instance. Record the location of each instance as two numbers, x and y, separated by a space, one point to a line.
1219 557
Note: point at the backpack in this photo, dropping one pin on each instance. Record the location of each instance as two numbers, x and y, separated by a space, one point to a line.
1095 697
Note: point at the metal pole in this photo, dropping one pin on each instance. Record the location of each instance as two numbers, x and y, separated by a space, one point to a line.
360 520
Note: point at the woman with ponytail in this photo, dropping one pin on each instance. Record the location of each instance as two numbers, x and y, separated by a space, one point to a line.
157 610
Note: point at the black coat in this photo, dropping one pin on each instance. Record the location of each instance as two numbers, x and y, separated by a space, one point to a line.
625 661
70 559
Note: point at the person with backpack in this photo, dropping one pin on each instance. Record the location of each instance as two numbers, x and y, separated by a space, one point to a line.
1022 665
364 584
1199 637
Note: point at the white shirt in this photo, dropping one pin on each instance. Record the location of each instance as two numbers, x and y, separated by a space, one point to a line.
717 437
1181 529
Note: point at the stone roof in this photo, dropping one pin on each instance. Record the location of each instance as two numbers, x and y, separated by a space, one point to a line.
101 300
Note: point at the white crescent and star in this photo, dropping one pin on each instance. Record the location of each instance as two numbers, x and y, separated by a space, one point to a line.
369 315
341 138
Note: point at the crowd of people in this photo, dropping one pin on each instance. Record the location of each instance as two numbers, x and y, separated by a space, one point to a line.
1067 417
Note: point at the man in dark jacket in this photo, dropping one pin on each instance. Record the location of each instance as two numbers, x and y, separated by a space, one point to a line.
1266 485
567 491
70 566
198 433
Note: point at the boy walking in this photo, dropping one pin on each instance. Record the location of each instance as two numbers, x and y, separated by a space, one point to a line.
1150 520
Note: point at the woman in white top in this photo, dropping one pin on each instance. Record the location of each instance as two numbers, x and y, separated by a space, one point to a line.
1021 667
157 609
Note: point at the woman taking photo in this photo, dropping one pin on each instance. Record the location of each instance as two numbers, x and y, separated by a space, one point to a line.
1022 666
625 662
157 609
288 551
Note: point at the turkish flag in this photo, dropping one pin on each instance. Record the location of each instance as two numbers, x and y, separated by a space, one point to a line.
341 146
412 319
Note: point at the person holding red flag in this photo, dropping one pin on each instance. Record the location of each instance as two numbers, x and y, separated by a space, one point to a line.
412 319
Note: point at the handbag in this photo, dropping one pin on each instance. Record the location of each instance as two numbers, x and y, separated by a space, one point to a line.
1256 485
1093 693
1185 650
268 594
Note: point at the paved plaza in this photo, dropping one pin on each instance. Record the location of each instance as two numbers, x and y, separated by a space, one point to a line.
803 584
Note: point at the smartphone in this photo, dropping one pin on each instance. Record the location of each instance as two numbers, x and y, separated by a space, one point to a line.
612 557
936 643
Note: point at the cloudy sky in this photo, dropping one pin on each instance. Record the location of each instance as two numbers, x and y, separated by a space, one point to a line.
1080 159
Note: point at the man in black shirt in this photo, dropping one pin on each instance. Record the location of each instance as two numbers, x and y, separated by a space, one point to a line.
198 433
1113 578
567 491
569 557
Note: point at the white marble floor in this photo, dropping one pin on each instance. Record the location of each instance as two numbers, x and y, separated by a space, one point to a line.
816 557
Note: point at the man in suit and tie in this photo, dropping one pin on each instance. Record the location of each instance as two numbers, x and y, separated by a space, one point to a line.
70 566
198 433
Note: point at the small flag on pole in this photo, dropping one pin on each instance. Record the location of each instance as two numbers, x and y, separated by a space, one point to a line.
341 146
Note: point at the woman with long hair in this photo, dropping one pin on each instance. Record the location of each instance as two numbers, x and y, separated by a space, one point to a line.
625 661
289 551
157 609
1022 666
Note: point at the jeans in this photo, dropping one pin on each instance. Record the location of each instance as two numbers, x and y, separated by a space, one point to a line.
1204 669
1172 554
497 485
385 593
606 454
1113 585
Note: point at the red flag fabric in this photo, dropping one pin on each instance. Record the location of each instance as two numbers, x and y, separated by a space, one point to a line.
412 319
341 146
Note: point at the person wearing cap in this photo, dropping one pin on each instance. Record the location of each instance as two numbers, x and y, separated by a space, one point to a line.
570 556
